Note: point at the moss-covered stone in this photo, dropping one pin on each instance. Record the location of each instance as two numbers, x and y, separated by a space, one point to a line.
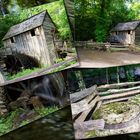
117 108
117 112
91 134
135 99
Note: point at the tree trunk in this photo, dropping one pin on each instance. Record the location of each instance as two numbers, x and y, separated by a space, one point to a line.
2 8
118 77
107 76
80 79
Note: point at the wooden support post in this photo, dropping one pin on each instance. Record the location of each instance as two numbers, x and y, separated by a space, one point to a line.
81 82
107 78
118 77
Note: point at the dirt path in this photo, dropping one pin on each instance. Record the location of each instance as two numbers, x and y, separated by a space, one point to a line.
100 59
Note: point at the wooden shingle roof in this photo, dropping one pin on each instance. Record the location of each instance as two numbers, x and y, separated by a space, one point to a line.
31 23
126 26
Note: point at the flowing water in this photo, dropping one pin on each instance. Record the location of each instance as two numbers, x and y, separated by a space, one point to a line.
51 89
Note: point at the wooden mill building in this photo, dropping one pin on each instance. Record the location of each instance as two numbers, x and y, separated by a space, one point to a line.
34 37
127 33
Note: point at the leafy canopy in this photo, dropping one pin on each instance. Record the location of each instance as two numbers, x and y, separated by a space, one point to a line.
95 18
55 9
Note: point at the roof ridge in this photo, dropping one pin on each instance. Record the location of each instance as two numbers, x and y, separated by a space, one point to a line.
25 24
30 17
125 26
130 21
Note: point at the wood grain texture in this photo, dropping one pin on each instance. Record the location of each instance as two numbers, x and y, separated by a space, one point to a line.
81 94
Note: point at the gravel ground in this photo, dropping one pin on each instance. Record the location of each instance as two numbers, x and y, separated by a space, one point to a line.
90 58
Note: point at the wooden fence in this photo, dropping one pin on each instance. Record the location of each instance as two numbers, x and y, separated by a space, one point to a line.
86 102
103 46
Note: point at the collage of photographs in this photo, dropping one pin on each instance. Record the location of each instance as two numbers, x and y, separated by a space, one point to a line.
69 70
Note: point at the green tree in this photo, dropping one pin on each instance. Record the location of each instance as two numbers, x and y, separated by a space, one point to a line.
55 9
95 18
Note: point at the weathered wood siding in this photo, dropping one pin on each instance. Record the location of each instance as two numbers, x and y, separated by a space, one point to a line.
127 37
49 27
34 46
137 36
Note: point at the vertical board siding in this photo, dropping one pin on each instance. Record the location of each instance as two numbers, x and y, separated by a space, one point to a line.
48 27
40 46
33 46
137 35
126 39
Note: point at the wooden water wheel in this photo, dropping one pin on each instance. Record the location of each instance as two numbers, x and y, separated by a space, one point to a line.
16 62
49 90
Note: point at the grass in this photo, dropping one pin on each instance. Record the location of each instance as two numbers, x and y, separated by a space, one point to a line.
13 121
23 73
45 111
60 68
30 71
116 107
91 134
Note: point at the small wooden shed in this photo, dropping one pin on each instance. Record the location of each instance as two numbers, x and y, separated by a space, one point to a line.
34 37
127 33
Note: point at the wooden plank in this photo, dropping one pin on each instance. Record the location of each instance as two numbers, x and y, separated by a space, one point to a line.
111 86
79 107
84 127
46 50
116 100
119 95
83 104
81 94
118 49
84 114
114 91
98 105
90 125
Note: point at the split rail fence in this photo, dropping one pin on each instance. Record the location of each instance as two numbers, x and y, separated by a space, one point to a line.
85 103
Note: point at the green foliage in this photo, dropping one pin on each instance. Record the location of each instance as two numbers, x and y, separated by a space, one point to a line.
55 9
45 111
95 18
7 123
23 73
62 67
135 99
5 23
58 60
129 76
112 108
26 72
